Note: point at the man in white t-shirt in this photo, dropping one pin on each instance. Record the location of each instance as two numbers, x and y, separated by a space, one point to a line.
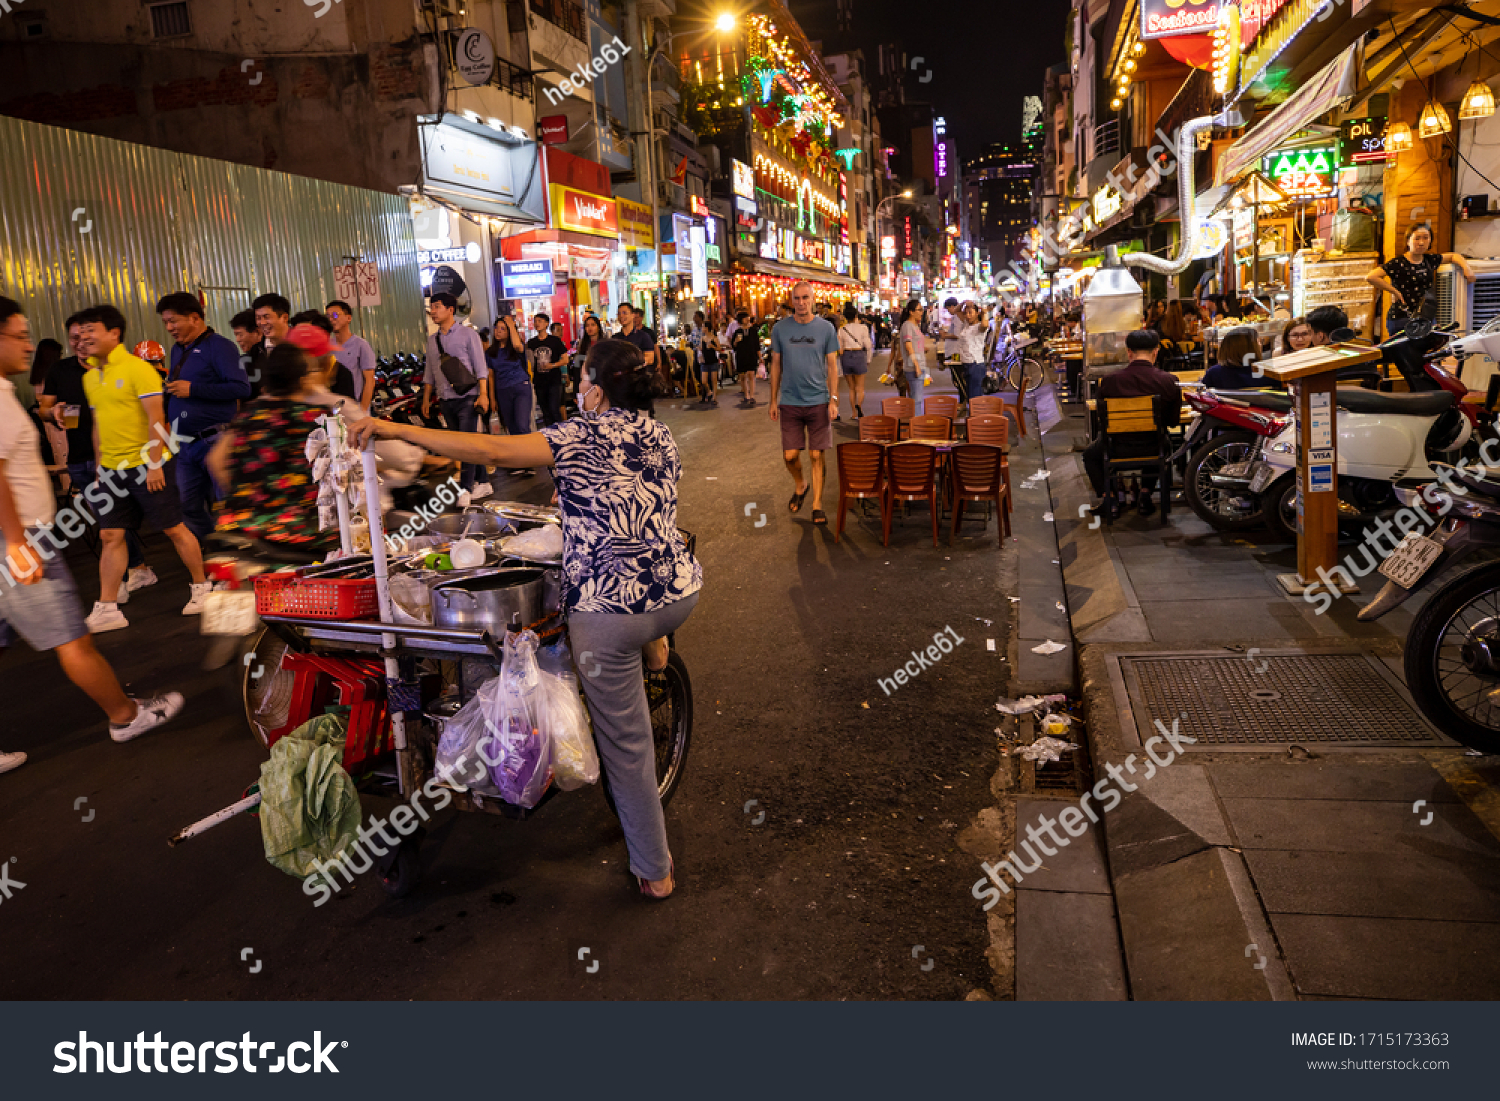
38 600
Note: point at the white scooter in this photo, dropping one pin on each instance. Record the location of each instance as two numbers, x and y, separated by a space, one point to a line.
1384 440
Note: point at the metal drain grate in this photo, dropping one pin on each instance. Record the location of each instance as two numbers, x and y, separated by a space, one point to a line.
1273 698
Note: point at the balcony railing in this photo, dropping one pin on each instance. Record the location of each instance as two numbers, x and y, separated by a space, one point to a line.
565 14
1107 138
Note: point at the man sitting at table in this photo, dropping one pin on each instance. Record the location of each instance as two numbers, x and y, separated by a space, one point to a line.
1140 378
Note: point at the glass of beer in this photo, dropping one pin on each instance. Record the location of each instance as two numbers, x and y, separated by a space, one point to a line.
70 415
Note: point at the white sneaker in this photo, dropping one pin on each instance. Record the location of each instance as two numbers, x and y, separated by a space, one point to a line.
195 605
123 596
140 577
480 491
9 761
105 617
149 715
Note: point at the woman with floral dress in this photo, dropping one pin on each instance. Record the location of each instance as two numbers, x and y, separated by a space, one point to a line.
629 578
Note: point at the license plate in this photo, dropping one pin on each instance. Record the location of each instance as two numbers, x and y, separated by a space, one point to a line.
229 613
1412 558
1261 476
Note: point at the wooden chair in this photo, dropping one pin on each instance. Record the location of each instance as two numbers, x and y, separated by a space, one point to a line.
903 409
861 477
994 430
941 405
911 475
1132 426
987 405
978 474
931 428
878 428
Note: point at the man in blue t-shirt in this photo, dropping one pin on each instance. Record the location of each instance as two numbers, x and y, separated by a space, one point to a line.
204 387
804 393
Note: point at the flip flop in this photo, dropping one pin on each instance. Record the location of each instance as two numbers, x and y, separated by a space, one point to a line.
795 504
819 517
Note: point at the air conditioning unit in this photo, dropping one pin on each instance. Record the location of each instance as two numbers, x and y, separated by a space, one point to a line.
1470 306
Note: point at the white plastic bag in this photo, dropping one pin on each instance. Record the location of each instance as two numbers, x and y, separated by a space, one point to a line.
562 716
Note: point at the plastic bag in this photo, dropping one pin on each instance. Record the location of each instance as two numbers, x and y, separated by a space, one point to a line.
562 716
517 751
458 763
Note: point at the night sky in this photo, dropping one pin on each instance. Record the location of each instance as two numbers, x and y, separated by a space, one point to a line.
984 56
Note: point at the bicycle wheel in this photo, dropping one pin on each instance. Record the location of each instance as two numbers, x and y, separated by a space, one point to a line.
669 698
1026 375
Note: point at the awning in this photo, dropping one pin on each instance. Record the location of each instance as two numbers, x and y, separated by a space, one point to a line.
757 266
1318 96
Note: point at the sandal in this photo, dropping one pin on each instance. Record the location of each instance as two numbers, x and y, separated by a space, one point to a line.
819 517
795 504
646 885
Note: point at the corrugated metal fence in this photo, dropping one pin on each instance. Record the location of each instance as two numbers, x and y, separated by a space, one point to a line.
85 219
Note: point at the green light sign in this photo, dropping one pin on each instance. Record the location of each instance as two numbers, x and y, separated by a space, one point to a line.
1309 172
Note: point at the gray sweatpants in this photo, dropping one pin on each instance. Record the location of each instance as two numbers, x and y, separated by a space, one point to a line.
607 649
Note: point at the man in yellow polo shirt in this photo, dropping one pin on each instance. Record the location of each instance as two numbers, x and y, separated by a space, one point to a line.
134 449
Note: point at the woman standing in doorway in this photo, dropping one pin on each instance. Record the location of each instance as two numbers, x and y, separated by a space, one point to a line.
1408 278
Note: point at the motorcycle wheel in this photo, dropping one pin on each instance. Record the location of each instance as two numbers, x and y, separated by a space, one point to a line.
1453 633
1214 505
1279 507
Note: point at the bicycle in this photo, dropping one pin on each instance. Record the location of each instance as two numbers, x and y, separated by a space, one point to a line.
1010 369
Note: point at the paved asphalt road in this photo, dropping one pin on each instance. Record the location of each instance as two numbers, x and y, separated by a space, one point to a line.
853 867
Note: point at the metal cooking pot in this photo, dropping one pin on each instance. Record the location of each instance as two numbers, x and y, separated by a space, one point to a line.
475 522
488 599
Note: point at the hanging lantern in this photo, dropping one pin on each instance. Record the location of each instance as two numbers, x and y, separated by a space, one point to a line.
1435 121
1398 138
1479 102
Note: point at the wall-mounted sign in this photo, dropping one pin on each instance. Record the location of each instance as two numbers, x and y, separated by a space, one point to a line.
1169 18
1362 141
682 230
1212 236
888 248
698 205
468 254
1306 173
1226 64
526 279
553 129
1107 203
744 179
582 212
474 56
360 282
468 164
635 224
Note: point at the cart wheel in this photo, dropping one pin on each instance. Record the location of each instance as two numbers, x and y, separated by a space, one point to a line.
404 872
669 697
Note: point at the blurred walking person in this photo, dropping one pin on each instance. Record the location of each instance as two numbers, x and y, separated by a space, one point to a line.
855 349
38 600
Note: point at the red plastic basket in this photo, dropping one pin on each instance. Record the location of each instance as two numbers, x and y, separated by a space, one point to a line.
289 594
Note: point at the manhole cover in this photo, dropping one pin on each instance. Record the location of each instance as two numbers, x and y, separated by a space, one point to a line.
1273 698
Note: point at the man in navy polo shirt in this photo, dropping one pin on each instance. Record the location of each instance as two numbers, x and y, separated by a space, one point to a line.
204 387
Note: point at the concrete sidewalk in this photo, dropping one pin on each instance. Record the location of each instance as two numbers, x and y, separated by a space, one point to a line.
1360 862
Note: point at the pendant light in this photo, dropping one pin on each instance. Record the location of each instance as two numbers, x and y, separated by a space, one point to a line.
1479 102
1398 138
1435 121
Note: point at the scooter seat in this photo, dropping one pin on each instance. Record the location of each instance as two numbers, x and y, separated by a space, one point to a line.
1483 486
1261 399
1401 405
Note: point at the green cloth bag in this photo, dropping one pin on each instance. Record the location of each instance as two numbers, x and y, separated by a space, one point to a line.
309 808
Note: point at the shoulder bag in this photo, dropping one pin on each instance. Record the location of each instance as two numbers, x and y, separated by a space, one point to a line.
459 377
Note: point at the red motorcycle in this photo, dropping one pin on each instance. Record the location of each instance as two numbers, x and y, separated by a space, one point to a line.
1224 447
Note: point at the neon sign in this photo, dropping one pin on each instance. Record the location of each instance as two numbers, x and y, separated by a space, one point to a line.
1304 173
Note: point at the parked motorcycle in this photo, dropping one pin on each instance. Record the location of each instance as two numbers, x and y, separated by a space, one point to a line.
1452 654
1250 477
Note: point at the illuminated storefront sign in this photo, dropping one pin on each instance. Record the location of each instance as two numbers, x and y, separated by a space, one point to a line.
1107 203
888 248
744 179
1305 173
526 279
1361 141
1168 18
698 205
582 212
